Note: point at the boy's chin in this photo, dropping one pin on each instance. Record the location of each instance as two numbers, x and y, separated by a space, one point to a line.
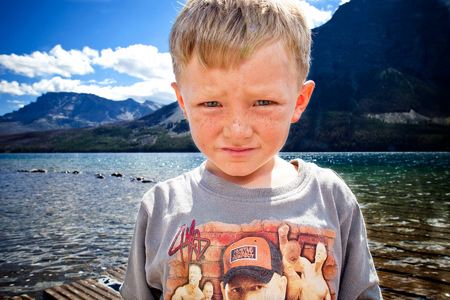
228 173
237 173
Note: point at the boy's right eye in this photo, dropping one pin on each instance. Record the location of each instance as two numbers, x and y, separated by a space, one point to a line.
211 104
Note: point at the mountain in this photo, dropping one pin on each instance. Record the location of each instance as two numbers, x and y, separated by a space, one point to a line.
383 56
163 130
382 79
169 117
72 110
382 84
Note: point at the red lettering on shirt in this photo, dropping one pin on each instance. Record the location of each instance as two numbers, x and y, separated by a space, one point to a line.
190 238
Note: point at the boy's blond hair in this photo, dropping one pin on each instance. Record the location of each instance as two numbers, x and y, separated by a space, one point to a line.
224 32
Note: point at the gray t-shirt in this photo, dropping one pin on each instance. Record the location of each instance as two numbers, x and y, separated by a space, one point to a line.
198 235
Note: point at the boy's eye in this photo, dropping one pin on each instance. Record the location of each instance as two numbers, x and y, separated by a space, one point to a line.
211 104
263 102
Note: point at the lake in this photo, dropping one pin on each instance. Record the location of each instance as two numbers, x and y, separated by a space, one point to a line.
59 226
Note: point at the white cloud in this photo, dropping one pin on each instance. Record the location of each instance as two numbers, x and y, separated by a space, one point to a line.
140 61
55 84
107 81
145 62
154 89
314 16
56 62
343 2
16 103
17 89
157 89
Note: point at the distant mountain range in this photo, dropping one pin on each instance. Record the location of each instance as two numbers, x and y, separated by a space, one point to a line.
73 110
163 130
382 83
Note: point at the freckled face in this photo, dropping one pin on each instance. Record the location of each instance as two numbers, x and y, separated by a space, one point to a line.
240 117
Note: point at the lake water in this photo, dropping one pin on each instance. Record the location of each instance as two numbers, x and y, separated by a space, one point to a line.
58 226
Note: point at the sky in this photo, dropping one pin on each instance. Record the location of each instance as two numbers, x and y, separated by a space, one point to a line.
116 49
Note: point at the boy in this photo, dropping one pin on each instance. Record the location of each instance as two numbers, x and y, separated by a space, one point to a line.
240 68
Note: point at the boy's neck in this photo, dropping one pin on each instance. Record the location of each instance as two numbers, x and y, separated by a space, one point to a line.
275 173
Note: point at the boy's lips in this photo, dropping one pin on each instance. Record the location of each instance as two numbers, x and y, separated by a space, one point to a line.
237 151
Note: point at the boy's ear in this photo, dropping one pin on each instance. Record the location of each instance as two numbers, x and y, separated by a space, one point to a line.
303 100
179 98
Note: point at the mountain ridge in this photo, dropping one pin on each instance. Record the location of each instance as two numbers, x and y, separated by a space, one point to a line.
59 110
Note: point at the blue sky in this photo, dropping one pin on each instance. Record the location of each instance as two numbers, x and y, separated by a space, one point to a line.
113 48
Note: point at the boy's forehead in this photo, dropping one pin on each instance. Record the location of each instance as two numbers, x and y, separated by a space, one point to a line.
270 64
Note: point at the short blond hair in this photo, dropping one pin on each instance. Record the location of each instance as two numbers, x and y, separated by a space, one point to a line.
221 33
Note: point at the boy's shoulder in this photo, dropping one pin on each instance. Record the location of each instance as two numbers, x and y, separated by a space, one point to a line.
326 177
328 180
165 192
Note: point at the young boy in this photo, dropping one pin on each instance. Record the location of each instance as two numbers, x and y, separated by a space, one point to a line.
240 68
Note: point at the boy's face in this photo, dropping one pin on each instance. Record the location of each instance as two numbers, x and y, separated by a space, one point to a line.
240 117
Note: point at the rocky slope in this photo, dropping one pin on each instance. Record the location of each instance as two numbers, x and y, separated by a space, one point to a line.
72 110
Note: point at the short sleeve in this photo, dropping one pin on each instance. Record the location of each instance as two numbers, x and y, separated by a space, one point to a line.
359 279
135 285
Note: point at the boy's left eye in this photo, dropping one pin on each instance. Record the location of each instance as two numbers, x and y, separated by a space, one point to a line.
263 102
211 104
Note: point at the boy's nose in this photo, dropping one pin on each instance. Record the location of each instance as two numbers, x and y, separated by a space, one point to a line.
238 128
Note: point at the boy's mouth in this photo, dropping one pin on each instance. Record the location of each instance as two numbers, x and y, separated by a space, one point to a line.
237 150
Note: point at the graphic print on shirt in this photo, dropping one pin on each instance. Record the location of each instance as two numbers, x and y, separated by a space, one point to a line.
270 260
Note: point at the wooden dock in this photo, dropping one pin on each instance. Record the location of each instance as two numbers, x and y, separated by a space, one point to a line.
103 288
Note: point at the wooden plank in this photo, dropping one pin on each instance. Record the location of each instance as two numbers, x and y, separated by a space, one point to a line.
110 293
123 267
90 292
78 292
88 289
91 284
69 295
53 294
116 275
121 270
99 293
20 297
